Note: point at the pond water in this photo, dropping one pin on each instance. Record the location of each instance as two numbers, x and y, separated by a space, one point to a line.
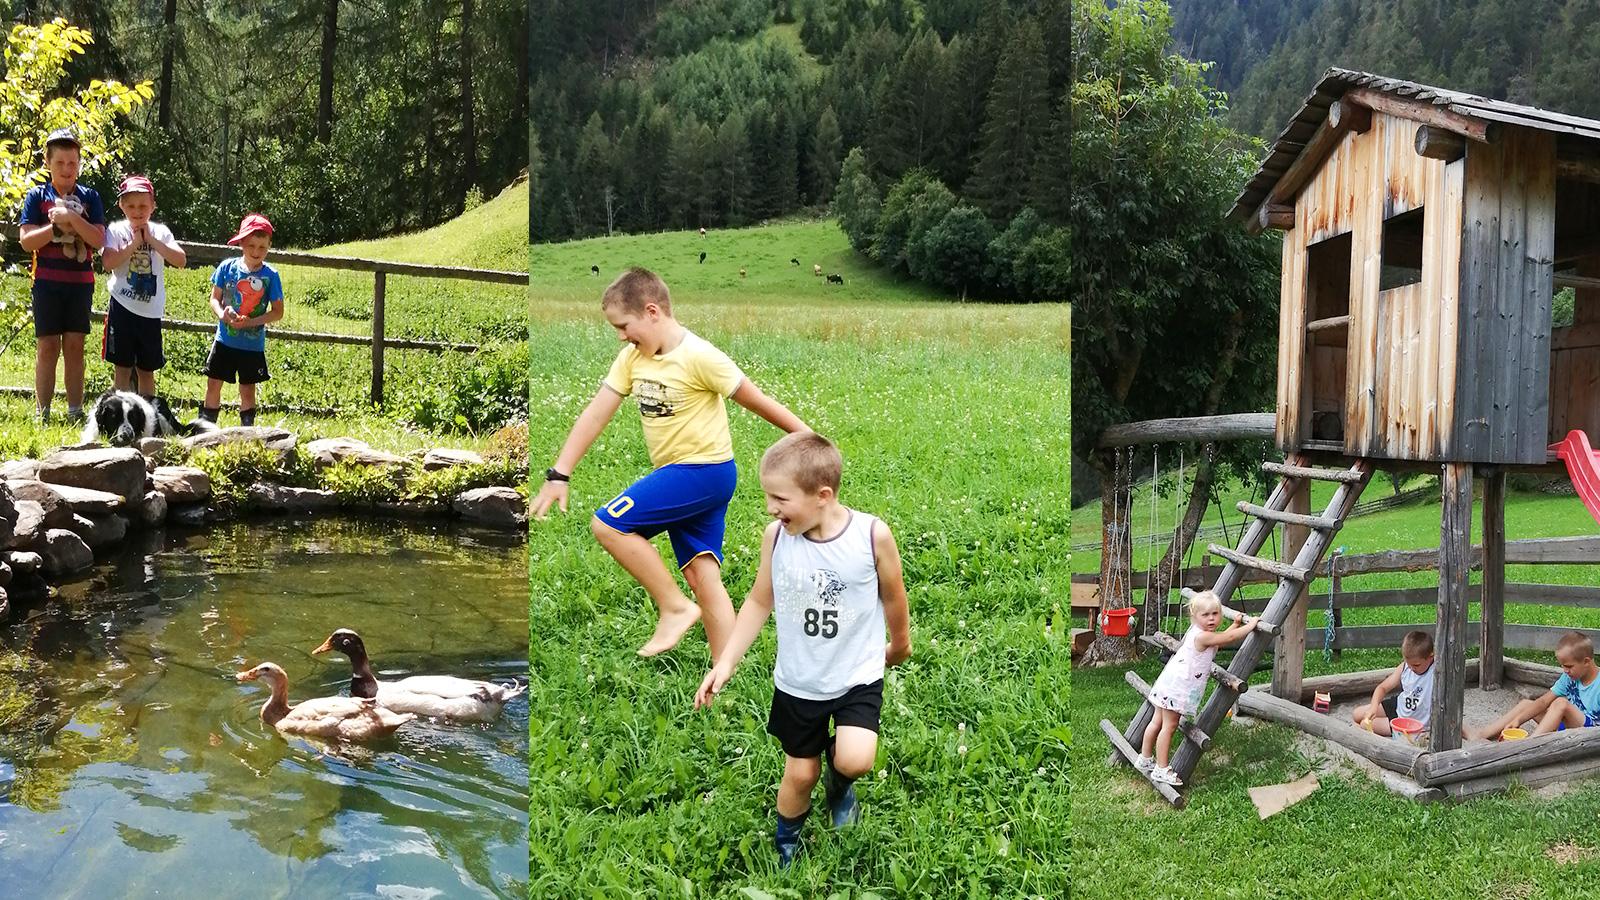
132 764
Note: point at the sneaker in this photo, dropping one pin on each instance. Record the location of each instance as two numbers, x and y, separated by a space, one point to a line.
1144 764
1165 775
75 415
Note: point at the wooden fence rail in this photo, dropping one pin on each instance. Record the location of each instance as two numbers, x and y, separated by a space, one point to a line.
380 269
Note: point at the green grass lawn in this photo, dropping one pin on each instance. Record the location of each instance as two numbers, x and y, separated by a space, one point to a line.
953 423
1352 837
309 379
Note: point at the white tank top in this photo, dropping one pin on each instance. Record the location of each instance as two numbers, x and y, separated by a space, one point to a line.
828 613
1415 700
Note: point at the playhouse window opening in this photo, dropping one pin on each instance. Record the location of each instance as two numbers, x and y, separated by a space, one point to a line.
1402 250
1328 277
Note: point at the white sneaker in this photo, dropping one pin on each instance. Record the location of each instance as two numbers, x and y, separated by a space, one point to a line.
1165 775
1144 764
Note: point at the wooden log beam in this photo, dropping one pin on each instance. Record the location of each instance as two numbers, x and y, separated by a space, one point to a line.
1232 427
1190 732
1437 143
1275 215
1300 171
1125 750
1390 754
1288 470
1169 643
1282 515
316 337
1342 685
1234 615
1520 637
1351 117
1524 672
1327 324
1469 127
1444 767
1280 569
1571 770
1575 281
1450 638
1492 601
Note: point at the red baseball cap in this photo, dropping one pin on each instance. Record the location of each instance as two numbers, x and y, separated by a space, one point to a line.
251 224
136 184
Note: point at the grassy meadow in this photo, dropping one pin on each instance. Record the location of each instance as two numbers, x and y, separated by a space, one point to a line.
953 423
1352 837
323 389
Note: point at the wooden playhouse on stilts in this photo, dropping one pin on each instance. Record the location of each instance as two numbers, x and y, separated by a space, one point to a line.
1425 232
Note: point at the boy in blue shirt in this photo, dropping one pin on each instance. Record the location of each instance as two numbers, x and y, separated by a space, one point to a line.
246 296
1572 702
63 224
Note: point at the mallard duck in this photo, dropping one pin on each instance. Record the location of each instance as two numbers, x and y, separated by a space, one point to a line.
438 696
330 718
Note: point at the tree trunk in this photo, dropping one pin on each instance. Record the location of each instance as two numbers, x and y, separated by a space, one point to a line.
469 130
1116 552
169 39
330 40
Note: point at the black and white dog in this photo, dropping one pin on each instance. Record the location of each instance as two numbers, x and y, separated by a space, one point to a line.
123 417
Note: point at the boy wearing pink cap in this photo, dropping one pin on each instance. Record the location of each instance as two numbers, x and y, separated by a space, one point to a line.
246 296
136 254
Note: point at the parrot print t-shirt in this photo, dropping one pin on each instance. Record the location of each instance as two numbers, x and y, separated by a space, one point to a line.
249 293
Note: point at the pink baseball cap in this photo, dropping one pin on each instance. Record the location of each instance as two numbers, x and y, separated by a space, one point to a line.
136 184
250 225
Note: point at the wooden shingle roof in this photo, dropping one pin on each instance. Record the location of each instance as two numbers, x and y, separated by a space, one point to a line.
1333 85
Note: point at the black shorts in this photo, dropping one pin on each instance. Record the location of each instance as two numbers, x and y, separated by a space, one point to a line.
132 340
1391 707
60 308
801 726
231 364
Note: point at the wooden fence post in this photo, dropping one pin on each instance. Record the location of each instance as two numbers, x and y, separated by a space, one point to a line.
378 279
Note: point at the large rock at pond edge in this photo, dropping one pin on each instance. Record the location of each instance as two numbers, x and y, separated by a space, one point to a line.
115 470
65 552
100 531
23 562
192 514
29 528
8 513
57 511
279 498
328 451
499 506
274 438
20 470
83 501
182 484
446 458
152 509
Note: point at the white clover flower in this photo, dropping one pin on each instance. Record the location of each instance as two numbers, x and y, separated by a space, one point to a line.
961 749
584 745
961 726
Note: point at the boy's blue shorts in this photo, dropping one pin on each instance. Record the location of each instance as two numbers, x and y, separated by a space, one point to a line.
689 501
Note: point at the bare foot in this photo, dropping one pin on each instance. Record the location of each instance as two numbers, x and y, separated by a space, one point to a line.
670 629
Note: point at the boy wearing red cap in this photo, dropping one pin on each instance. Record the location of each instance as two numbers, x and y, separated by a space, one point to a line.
63 223
246 296
136 253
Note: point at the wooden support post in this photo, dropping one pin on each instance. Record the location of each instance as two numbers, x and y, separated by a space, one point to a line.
1289 656
1450 636
1333 590
377 337
1492 604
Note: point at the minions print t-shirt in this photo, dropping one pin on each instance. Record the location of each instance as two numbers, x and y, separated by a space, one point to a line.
249 294
680 396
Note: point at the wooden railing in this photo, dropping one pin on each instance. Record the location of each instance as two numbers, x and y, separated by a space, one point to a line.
380 269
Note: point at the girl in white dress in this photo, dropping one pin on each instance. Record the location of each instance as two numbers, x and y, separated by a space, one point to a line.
1182 683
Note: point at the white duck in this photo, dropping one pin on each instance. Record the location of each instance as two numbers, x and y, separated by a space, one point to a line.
438 696
330 718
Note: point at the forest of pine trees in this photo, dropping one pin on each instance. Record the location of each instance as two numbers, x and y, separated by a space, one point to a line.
931 127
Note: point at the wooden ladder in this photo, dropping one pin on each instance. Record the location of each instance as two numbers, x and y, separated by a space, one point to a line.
1292 580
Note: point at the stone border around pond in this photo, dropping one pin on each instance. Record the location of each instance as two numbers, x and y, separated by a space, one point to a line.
57 512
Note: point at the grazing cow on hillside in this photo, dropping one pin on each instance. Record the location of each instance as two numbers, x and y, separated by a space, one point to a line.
702 256
816 270
594 270
702 231
793 261
741 271
836 279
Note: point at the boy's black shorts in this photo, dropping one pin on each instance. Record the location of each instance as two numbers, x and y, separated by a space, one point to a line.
801 726
132 340
61 308
231 364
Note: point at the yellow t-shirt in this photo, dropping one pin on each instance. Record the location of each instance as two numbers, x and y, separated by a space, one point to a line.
680 396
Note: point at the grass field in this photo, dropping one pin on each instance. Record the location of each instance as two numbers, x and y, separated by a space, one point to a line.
1352 837
953 423
423 389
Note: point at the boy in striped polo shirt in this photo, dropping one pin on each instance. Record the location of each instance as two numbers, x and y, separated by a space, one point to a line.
63 224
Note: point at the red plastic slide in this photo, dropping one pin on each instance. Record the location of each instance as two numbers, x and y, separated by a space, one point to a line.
1583 464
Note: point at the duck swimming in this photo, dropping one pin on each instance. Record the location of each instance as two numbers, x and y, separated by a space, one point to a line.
438 696
332 718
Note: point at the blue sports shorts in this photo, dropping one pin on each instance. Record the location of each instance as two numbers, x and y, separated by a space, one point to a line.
689 501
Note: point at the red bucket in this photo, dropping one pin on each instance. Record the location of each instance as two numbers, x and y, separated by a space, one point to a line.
1116 622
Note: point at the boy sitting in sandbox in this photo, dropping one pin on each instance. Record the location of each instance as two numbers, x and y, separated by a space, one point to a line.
1572 702
1413 678
680 381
